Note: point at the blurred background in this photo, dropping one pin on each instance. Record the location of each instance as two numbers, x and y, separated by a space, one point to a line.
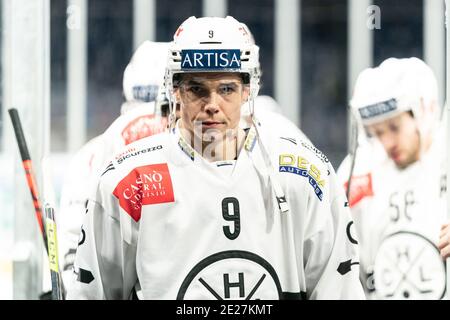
63 62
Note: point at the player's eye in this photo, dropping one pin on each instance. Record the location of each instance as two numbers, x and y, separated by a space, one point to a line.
228 88
393 128
379 133
197 90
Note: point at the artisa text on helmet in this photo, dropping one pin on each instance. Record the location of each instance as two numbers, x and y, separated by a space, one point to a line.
211 59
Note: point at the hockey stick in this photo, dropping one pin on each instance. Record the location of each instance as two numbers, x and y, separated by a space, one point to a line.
28 167
57 284
50 242
447 103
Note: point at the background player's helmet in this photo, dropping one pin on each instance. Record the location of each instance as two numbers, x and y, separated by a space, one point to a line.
397 85
144 74
213 44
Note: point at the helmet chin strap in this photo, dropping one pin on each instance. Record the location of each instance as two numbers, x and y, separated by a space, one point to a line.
172 111
274 183
353 150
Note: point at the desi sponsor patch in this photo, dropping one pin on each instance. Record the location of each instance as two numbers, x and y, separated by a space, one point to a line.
143 126
150 184
210 59
301 166
360 187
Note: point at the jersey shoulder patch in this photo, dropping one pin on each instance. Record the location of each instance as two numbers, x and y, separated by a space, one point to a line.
137 152
144 185
304 162
360 187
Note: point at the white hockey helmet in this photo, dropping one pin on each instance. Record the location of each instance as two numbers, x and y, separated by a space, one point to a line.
395 86
213 44
144 74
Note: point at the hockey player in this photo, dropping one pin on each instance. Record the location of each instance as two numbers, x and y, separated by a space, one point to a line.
143 113
397 192
209 210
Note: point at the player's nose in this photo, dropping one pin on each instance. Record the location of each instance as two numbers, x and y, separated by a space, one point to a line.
388 142
212 103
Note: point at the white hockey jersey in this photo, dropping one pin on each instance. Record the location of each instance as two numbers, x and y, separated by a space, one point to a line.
186 228
136 123
398 215
84 167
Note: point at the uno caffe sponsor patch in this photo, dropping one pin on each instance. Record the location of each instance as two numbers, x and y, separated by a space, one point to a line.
144 185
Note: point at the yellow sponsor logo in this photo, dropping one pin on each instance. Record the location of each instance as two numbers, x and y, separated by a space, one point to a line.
302 163
52 245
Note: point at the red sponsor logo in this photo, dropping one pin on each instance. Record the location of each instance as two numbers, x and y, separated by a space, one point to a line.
143 126
360 187
144 185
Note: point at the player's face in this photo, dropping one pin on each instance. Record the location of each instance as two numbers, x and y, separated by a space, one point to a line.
211 101
399 137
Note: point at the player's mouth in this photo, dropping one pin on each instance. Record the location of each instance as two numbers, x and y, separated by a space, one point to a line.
212 124
396 156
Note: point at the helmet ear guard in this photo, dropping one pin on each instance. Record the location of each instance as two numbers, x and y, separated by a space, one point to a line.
162 107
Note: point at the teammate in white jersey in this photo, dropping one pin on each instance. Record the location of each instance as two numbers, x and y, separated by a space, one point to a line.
143 113
397 190
209 210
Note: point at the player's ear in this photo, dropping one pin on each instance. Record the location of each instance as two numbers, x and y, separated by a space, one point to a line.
176 95
245 93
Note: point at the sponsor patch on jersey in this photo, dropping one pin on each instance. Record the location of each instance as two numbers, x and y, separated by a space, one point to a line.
150 184
210 59
132 153
378 109
143 126
316 151
301 166
360 187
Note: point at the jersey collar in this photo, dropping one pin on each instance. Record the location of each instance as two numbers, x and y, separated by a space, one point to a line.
249 143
